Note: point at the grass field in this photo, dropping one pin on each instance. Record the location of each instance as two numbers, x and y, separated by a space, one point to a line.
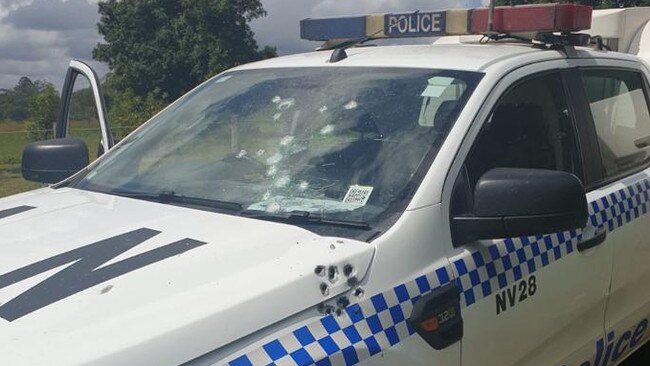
14 138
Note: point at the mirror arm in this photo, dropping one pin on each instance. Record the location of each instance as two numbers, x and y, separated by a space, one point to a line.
466 229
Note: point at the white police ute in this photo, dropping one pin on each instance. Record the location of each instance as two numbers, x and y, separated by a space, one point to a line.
454 204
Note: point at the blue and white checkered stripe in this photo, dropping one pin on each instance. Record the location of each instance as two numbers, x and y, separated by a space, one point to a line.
379 322
362 330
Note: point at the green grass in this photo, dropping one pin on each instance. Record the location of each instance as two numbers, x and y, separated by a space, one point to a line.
14 138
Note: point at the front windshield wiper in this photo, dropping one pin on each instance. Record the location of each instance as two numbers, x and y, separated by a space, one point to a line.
304 217
179 200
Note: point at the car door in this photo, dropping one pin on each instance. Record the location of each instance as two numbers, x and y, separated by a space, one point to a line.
617 94
536 300
95 129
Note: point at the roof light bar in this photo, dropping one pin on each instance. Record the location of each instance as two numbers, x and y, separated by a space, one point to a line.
560 18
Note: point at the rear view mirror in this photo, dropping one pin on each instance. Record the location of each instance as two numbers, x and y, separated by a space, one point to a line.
52 161
510 203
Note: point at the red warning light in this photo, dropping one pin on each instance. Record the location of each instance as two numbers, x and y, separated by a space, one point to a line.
534 18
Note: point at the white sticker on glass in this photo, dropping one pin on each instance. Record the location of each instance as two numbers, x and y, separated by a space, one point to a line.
358 195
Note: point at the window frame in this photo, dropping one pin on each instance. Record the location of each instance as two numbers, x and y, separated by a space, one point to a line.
581 95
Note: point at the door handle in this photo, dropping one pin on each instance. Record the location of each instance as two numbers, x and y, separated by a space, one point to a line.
599 238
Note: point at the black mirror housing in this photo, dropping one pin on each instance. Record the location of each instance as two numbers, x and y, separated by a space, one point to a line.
52 161
510 203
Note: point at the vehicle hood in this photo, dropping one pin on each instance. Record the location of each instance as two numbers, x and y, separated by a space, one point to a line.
89 278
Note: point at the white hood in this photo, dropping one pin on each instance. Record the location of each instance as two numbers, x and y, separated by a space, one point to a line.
224 278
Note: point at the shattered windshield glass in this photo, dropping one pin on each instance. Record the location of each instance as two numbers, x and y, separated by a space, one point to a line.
339 143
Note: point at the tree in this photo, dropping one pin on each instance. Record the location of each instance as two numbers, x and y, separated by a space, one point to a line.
43 108
14 103
128 111
163 48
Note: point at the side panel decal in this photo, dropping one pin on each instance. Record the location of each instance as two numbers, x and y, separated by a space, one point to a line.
14 211
379 322
83 271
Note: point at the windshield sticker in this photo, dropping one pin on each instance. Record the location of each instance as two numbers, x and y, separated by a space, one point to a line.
358 195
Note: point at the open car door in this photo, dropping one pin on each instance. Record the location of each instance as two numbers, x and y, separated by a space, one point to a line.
75 69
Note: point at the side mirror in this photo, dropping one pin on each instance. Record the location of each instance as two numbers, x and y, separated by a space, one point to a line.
510 203
52 161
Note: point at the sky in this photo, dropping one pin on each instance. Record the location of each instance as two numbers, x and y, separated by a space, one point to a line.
39 37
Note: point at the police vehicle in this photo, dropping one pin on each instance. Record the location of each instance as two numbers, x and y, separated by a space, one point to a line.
481 203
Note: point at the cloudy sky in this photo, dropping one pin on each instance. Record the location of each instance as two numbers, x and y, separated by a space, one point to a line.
39 37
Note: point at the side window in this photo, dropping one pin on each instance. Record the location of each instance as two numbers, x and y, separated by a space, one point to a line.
620 111
530 127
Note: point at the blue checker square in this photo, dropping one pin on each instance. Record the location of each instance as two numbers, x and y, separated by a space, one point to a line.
241 361
355 313
494 252
352 334
275 350
535 249
569 247
603 216
469 297
443 276
531 266
393 337
604 201
375 324
557 252
525 241
491 269
517 272
486 288
594 206
350 356
510 245
379 303
423 284
402 293
548 241
544 257
478 259
521 255
302 357
397 314
506 263
304 336
330 324
474 277
503 280
324 362
372 345
461 267
328 345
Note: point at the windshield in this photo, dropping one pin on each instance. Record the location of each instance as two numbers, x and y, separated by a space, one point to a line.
344 144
